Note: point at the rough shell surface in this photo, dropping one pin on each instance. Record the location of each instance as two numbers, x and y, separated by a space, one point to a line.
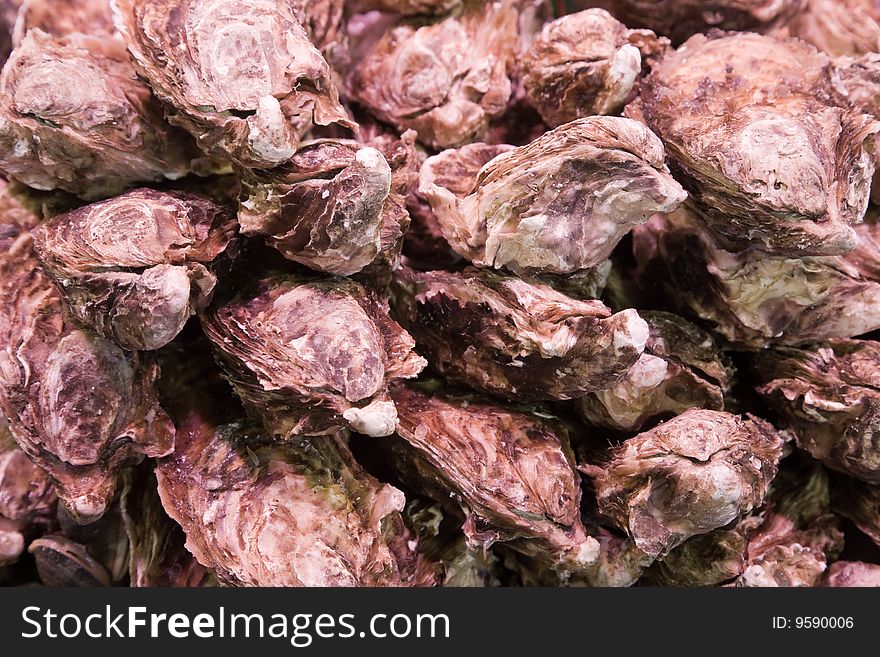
74 116
242 77
137 266
557 205
311 356
692 474
754 130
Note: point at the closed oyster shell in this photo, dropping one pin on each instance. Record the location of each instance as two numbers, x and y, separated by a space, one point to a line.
64 17
80 407
828 394
298 514
260 513
838 27
857 81
690 475
680 19
798 536
557 205
510 472
311 356
756 133
781 556
64 562
25 490
753 298
445 79
681 368
584 64
136 267
74 116
325 208
241 77
321 19
519 340
852 573
787 542
27 499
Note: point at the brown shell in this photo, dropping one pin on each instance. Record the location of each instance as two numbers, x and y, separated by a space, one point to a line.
690 475
681 368
838 27
64 17
680 19
585 64
260 513
511 473
74 116
325 208
753 298
136 267
242 77
756 133
445 79
828 395
80 407
852 573
519 340
557 205
789 541
311 356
